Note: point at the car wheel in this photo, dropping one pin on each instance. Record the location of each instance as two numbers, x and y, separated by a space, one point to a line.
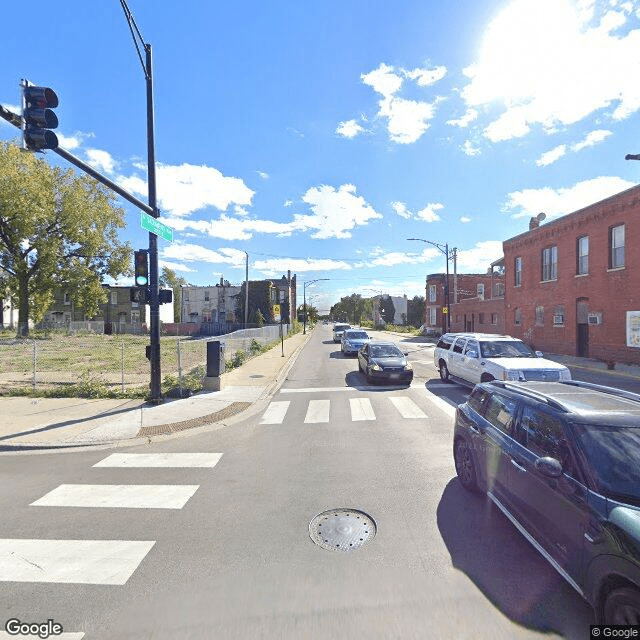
465 467
622 607
444 372
486 377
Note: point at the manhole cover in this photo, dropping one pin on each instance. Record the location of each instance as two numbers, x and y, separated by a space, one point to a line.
342 529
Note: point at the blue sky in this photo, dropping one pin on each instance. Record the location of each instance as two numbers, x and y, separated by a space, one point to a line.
319 136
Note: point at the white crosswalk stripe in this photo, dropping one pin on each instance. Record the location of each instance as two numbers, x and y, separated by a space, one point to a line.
149 460
275 412
318 411
141 496
407 407
71 561
361 409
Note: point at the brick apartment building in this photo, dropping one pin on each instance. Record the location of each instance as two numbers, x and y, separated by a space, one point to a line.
573 284
476 301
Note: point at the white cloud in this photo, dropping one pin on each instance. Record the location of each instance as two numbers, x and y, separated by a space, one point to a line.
559 202
426 77
335 211
428 214
392 258
551 156
101 160
479 259
552 63
591 139
465 120
197 253
469 149
227 228
382 80
175 266
183 189
263 175
401 209
73 141
465 220
407 120
349 129
276 266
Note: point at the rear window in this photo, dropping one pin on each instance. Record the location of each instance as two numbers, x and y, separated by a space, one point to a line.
445 342
477 398
356 335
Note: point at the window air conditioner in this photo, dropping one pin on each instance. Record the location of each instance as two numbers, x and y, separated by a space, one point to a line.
595 318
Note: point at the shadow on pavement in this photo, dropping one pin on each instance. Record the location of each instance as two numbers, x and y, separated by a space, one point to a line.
358 380
506 568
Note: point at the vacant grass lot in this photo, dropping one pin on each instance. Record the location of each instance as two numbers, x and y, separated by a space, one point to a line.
101 366
64 363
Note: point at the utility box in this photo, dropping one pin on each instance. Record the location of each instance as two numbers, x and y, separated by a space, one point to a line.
215 359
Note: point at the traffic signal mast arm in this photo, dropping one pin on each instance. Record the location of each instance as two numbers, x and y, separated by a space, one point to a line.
16 120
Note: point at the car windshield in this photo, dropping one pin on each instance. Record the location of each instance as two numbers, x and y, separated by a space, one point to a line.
341 327
505 349
613 454
385 351
356 335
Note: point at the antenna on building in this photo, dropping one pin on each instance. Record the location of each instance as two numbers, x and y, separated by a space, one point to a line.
534 223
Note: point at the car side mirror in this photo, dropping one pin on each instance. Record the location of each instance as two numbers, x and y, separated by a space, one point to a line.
549 467
472 353
406 353
539 354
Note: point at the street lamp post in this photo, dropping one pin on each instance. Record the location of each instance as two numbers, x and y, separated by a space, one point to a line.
445 250
304 301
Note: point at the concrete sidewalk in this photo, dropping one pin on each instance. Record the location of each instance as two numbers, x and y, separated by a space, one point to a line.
44 423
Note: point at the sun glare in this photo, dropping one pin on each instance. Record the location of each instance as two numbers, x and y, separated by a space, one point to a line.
522 49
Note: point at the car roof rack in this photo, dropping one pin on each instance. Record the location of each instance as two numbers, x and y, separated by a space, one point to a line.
536 395
629 395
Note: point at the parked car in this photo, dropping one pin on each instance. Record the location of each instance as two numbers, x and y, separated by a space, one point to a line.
482 357
561 461
338 330
353 340
384 361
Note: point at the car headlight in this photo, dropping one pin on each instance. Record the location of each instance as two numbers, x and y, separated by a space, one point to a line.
565 374
408 366
513 375
376 367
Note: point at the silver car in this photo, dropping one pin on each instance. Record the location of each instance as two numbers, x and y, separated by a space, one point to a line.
352 340
338 330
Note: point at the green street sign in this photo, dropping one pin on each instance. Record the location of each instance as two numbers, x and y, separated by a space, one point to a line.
154 226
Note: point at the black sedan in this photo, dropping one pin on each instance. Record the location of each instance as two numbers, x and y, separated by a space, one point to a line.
384 361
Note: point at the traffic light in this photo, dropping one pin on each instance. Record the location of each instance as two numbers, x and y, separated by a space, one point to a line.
38 118
141 268
141 295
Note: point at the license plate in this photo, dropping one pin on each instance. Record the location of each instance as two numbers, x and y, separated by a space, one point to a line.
394 376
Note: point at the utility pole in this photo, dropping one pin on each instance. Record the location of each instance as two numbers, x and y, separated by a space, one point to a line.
246 291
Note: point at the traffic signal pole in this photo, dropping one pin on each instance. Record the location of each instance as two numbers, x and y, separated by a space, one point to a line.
154 307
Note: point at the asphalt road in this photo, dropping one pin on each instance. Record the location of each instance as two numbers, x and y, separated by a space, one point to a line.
224 551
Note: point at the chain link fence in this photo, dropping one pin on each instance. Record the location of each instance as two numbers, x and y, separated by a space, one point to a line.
74 364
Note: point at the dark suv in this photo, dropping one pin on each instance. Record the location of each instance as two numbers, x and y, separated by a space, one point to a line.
562 461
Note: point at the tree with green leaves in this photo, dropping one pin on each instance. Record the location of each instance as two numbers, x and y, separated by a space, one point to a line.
168 279
260 299
350 309
57 229
416 311
387 309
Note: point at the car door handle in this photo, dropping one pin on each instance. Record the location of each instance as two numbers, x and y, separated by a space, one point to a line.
517 466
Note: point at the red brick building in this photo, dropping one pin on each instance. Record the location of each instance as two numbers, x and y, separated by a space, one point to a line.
573 285
476 302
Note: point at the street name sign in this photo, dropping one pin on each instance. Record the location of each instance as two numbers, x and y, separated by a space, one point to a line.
155 226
